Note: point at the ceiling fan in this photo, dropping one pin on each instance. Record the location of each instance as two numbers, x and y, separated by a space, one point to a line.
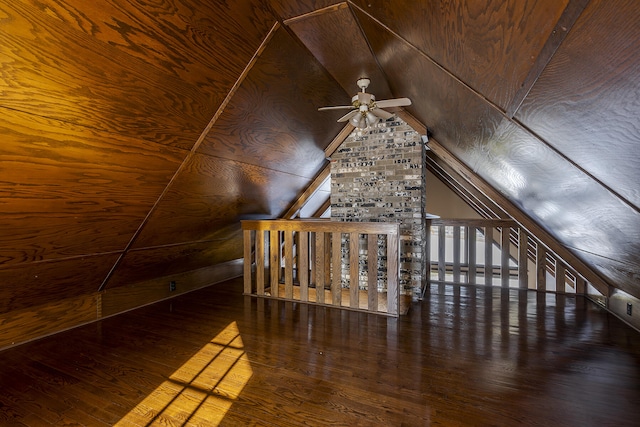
366 111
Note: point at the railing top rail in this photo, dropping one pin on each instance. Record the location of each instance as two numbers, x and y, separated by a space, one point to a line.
323 225
475 222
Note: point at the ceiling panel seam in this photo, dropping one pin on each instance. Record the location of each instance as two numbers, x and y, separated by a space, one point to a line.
193 150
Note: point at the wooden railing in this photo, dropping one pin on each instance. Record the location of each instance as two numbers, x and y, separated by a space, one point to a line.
352 265
481 251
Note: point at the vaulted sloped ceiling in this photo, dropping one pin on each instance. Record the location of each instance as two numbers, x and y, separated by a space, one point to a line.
134 136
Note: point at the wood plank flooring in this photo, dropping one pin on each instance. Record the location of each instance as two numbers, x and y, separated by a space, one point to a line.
463 356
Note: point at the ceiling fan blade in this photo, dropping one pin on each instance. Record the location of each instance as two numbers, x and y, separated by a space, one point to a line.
348 116
398 102
337 107
382 114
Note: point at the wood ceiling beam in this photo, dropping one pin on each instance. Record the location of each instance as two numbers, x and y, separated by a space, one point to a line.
320 178
308 192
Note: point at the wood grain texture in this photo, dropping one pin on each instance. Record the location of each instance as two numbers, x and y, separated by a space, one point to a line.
118 299
187 39
272 120
287 9
54 71
564 24
489 45
335 39
210 197
586 102
576 209
463 356
146 264
37 284
312 197
54 315
66 190
443 104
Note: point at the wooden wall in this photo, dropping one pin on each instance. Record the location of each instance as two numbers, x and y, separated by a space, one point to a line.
135 136
121 165
537 98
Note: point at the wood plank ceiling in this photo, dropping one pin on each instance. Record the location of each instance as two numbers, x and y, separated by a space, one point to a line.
134 136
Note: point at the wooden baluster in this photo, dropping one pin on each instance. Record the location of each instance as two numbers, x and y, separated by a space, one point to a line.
288 264
442 266
274 261
427 254
505 256
560 276
466 251
260 262
354 270
319 267
393 273
372 271
472 256
488 256
303 264
456 253
336 268
523 259
247 267
541 267
581 285
327 264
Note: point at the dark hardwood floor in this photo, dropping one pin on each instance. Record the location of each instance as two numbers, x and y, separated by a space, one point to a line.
463 356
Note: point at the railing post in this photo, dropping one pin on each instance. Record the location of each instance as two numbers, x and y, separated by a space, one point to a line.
488 256
505 271
336 269
372 271
456 254
560 276
319 267
259 262
274 262
541 267
442 262
523 259
393 290
354 270
472 256
288 264
581 285
303 264
247 261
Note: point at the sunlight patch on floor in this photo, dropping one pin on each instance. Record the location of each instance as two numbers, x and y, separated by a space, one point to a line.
202 390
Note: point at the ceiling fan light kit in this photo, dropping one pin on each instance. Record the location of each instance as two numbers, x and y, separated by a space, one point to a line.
365 111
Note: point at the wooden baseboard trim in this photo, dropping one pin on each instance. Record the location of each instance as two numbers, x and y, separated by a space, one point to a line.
21 326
